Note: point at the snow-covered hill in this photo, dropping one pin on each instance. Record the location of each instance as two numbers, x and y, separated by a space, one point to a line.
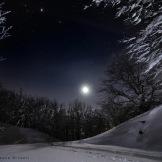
15 135
142 132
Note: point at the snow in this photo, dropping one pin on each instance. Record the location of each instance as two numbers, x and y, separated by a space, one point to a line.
15 135
3 29
85 7
123 143
154 63
97 1
127 134
46 153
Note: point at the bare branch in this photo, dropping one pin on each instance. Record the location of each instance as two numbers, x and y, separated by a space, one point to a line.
4 30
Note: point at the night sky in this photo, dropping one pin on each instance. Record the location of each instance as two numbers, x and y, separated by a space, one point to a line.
56 46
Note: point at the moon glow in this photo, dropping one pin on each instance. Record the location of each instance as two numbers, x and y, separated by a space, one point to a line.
85 89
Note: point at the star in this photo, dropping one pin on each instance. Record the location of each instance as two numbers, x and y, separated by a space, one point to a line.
41 9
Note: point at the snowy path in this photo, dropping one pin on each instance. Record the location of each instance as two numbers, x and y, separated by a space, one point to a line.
47 153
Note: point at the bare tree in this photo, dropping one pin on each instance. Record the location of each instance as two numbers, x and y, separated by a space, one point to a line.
126 90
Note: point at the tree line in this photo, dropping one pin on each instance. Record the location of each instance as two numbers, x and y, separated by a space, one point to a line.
63 122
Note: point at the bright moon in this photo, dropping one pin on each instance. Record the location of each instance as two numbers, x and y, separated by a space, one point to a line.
85 90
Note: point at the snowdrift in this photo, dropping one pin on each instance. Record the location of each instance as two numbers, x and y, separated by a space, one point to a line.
141 132
15 135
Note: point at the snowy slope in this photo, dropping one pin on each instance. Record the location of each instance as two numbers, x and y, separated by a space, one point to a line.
15 135
142 132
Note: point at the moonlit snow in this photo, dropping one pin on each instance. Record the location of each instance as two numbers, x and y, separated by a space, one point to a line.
142 132
46 153
129 145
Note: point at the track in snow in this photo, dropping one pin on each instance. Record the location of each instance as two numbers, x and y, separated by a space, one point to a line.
47 153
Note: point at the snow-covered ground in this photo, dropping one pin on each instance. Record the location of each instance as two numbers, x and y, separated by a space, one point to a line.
142 132
137 140
47 153
15 135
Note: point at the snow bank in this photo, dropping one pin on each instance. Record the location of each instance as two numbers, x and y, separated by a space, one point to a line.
142 132
15 135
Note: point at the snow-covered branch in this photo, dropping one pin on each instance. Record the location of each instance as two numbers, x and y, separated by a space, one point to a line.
4 31
146 44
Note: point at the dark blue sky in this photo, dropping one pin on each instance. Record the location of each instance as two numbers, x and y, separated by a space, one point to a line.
52 53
